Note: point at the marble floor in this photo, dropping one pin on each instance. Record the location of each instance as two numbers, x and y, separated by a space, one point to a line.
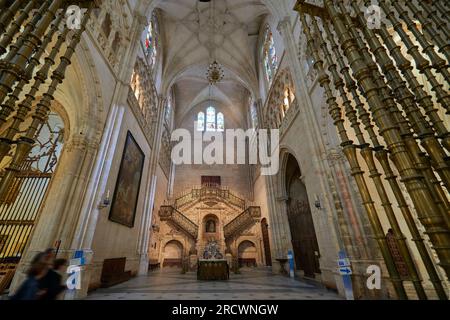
254 284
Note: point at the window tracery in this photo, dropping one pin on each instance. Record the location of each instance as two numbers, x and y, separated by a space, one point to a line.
213 121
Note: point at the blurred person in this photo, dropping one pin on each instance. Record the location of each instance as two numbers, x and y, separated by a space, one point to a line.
29 290
53 280
46 281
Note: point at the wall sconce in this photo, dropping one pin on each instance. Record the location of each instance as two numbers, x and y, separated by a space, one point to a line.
317 203
106 202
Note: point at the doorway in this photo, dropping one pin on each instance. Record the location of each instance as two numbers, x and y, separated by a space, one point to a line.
304 241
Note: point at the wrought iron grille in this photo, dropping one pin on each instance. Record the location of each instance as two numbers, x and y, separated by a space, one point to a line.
20 208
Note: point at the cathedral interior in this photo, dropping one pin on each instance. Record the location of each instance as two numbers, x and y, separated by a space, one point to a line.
95 95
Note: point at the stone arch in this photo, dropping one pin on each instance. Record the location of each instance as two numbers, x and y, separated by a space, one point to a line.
285 152
78 100
301 225
247 253
173 254
210 224
281 98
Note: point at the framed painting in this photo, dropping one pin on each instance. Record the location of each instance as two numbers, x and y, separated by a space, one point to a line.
126 192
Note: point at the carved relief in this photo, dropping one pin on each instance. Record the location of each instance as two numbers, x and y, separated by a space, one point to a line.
111 27
282 106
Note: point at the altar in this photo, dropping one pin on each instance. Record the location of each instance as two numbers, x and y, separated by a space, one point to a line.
213 266
214 270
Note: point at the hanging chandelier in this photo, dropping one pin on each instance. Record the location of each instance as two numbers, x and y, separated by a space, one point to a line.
215 73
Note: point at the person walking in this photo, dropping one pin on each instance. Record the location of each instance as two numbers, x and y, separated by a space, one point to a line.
29 290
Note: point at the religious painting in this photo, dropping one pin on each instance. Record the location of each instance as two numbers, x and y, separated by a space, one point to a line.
126 193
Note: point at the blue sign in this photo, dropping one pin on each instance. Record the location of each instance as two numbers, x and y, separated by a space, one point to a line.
343 262
291 264
345 271
79 256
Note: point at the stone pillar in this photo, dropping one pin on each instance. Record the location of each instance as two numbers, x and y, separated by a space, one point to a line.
60 211
286 239
274 218
154 160
328 241
260 112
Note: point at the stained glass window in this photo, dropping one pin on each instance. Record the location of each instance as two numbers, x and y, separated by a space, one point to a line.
168 109
151 42
270 55
210 119
220 122
254 115
200 121
213 122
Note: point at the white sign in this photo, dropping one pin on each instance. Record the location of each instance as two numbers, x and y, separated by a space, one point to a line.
374 281
74 279
74 15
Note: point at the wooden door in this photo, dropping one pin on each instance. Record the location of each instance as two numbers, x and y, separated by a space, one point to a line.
266 242
304 240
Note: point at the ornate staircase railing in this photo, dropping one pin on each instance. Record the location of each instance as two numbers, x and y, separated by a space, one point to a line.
199 193
243 221
169 213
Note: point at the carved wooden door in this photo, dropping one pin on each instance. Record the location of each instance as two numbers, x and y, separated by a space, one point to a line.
304 241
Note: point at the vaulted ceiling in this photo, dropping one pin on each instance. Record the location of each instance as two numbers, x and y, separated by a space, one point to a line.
196 33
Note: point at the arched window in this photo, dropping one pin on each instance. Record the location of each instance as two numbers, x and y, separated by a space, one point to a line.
220 122
213 122
211 119
151 41
201 121
269 55
288 97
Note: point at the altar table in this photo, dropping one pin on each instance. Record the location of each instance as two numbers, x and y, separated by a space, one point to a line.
213 270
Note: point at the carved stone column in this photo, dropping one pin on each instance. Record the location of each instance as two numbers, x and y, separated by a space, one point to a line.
286 239
154 159
274 218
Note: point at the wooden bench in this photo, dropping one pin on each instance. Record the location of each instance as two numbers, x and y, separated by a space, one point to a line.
113 272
